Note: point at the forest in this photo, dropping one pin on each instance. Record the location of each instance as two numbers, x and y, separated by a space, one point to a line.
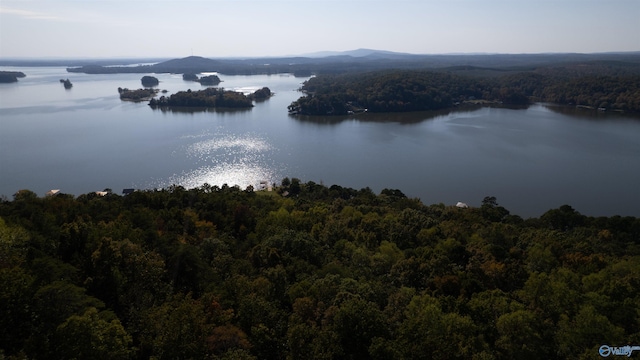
417 90
308 271
210 98
138 94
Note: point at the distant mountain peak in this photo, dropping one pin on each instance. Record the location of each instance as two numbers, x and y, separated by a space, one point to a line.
361 52
193 57
190 62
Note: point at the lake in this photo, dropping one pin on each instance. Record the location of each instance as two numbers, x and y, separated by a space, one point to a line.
86 139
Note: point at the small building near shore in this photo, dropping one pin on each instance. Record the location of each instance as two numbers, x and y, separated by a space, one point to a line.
52 192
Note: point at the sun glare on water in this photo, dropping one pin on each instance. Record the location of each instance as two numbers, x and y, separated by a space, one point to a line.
227 159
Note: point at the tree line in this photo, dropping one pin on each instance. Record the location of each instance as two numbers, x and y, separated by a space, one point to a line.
309 271
417 90
600 64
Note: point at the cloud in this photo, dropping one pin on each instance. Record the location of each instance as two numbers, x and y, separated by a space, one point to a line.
27 14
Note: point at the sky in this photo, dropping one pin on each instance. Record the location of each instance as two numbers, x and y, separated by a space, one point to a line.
249 28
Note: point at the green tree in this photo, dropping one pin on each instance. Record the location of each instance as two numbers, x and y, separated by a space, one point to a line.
14 244
357 322
177 329
16 306
582 335
127 277
429 333
522 336
92 335
53 304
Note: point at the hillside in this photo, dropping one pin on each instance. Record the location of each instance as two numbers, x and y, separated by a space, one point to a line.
191 64
309 272
194 64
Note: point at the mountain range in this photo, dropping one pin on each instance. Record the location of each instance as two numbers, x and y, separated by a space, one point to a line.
327 62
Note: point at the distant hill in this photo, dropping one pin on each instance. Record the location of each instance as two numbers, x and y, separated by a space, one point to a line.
190 63
358 53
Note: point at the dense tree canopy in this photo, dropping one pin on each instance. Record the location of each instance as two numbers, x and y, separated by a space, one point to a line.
189 77
211 98
208 98
397 91
137 95
261 94
309 271
149 81
209 80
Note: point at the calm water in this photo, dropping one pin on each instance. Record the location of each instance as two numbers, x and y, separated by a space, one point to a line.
87 139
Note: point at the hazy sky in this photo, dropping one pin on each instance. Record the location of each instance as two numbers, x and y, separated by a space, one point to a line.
222 28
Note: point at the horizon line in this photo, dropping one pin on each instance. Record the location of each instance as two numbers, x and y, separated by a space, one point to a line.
318 54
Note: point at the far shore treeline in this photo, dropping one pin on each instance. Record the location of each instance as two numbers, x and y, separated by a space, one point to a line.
383 82
307 271
393 82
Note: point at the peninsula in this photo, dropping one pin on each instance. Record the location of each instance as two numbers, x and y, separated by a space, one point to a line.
10 76
420 90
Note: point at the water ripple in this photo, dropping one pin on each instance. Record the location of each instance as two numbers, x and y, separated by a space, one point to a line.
226 159
241 174
228 145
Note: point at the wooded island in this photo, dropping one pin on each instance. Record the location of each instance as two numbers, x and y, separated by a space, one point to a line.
210 98
137 95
